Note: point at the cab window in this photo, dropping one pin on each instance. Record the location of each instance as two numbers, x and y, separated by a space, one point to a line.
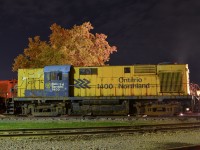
55 76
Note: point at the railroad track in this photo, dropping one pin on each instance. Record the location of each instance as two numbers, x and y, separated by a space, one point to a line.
193 147
97 130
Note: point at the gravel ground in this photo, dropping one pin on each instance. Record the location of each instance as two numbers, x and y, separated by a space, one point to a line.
136 141
145 141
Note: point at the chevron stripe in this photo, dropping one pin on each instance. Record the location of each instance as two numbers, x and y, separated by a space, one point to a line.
81 83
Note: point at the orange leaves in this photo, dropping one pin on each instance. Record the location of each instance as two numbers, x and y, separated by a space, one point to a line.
102 48
76 46
20 61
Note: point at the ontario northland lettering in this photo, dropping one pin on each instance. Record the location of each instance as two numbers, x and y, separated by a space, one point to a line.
135 83
123 82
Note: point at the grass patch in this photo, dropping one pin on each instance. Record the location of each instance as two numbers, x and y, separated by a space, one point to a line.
26 124
58 124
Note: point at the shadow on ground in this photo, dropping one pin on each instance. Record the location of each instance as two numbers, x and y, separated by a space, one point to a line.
176 145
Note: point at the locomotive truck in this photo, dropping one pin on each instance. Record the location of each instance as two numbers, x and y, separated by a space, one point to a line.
162 89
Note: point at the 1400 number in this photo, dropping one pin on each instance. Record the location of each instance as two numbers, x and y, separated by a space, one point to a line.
104 86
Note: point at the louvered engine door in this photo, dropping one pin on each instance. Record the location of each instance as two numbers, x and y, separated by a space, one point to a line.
171 82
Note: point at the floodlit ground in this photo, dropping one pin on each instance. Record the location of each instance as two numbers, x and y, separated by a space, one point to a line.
145 141
137 141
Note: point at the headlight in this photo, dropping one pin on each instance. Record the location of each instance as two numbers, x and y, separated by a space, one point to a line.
187 109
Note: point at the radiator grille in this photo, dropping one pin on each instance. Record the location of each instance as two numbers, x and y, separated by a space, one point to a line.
170 82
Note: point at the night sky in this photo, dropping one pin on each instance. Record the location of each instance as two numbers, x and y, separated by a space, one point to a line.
144 31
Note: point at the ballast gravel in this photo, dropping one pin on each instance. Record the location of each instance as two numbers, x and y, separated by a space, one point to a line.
119 141
145 141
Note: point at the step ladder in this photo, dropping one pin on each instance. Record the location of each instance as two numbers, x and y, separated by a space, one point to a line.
10 107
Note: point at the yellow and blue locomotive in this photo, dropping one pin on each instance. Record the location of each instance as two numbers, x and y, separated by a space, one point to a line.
104 90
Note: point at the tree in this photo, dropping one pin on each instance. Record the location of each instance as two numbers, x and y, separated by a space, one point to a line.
76 46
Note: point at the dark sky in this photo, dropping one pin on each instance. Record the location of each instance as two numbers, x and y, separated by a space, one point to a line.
144 31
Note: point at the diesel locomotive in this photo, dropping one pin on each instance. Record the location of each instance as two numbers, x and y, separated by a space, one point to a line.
7 92
162 89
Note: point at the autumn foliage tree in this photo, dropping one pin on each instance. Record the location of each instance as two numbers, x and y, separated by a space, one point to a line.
76 46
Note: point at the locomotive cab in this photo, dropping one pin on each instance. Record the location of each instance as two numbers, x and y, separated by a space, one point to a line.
56 80
52 81
41 91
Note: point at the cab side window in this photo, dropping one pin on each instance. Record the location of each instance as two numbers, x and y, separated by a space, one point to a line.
54 76
59 76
